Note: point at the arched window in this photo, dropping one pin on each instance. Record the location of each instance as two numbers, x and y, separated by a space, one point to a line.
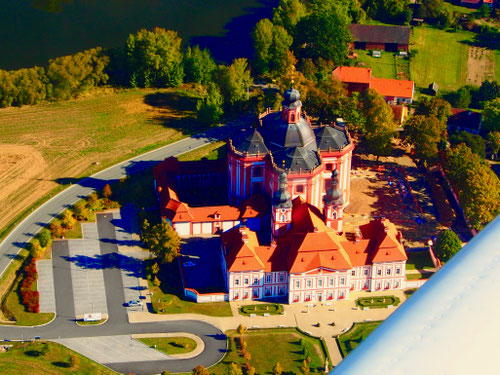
283 218
334 214
292 117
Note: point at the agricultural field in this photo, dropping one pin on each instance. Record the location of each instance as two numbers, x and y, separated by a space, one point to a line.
46 146
449 58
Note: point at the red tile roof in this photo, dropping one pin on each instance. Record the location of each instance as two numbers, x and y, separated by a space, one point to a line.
352 74
392 87
384 86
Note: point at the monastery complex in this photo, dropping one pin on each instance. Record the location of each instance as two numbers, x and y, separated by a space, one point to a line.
286 184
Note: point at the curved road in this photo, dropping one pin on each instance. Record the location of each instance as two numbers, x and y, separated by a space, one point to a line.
64 326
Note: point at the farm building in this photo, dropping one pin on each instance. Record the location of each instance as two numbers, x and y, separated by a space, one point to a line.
375 37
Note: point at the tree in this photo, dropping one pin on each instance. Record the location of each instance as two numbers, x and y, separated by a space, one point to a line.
349 110
247 356
489 90
166 373
447 245
380 126
162 240
288 13
36 249
67 219
491 115
156 282
322 99
240 329
477 186
304 369
210 109
390 11
494 143
154 58
271 43
234 369
106 191
462 98
437 107
56 229
200 370
198 65
81 210
44 237
233 81
73 75
473 141
93 202
425 133
323 34
277 369
251 370
155 268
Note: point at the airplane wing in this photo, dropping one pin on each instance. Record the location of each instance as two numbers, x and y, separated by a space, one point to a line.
451 325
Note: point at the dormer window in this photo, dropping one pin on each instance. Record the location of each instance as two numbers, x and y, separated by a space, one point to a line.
292 117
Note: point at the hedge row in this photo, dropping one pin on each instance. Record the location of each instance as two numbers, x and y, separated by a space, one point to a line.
30 298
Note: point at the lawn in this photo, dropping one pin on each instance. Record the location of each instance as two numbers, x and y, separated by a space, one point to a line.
418 276
170 345
268 308
382 67
439 56
352 338
169 297
46 358
497 65
288 347
377 302
50 145
419 260
213 151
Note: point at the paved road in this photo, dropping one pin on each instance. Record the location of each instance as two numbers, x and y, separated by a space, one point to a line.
23 233
64 325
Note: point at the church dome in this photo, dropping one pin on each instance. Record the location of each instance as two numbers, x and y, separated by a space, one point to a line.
291 95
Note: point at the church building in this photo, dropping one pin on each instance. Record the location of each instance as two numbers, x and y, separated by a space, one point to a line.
281 231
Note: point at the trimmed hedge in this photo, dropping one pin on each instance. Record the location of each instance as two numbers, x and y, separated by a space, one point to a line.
378 302
272 309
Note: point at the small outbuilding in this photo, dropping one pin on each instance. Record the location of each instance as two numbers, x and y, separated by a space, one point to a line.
433 88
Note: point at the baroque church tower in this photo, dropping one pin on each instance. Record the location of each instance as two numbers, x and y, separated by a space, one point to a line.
334 204
282 207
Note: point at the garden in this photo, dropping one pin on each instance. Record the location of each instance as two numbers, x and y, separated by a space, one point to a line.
251 348
170 345
268 308
377 302
349 340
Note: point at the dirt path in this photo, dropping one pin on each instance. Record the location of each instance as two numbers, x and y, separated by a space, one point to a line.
480 65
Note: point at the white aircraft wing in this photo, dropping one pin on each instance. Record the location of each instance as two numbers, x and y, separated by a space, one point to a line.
451 325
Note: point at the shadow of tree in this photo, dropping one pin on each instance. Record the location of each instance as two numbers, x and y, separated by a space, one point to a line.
131 265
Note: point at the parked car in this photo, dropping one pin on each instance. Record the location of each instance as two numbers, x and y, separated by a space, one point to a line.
134 303
188 264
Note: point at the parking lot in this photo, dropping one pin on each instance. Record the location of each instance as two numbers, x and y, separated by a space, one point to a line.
201 264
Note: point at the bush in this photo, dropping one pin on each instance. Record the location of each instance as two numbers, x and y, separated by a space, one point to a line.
29 297
447 245
56 229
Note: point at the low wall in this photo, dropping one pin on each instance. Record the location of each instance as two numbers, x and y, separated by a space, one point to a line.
208 297
415 283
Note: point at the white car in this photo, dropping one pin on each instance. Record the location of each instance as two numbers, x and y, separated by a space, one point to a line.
134 303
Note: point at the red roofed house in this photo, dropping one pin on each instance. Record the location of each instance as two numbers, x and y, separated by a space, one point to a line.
476 3
394 91
296 178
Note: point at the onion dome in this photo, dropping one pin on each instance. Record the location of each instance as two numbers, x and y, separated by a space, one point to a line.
334 194
282 198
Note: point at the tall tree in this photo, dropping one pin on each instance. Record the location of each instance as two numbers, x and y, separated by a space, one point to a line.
323 34
210 108
489 90
477 186
271 43
234 81
200 370
44 238
494 143
322 99
425 133
435 106
473 141
380 127
277 369
447 245
198 65
162 240
154 58
491 115
74 75
288 13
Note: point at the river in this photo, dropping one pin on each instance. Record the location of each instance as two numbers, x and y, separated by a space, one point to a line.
32 32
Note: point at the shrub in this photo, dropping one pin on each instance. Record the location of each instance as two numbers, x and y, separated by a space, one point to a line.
56 229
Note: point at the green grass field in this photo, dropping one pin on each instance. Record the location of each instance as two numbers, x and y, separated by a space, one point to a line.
382 67
213 151
419 260
439 56
170 345
352 338
497 65
286 347
41 358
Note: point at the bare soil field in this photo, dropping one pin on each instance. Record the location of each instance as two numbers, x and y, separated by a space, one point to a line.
51 144
480 65
373 196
